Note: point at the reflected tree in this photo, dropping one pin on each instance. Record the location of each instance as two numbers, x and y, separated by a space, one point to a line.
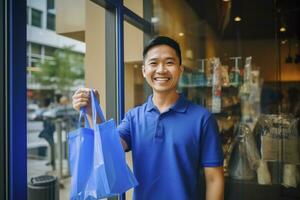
61 72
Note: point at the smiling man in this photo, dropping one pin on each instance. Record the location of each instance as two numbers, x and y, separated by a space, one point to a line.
171 138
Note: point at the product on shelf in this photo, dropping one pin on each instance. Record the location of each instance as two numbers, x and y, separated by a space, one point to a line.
235 73
279 138
244 159
263 173
250 94
291 176
279 143
224 76
216 86
202 76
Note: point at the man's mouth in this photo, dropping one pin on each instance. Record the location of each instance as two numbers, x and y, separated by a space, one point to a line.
162 79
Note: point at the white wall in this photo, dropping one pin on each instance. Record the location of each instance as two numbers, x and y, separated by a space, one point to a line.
71 16
50 38
37 4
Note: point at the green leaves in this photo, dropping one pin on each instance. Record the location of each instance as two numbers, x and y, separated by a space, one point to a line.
61 71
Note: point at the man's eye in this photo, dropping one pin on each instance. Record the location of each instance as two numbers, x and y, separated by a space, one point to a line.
170 63
152 63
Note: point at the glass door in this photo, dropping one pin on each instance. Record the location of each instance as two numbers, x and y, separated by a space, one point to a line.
241 64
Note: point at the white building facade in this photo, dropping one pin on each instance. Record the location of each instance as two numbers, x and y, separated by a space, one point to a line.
42 40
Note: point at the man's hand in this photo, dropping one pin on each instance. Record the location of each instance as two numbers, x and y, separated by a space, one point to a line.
214 178
82 98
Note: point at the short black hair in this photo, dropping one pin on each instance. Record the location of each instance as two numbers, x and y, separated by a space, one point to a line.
163 40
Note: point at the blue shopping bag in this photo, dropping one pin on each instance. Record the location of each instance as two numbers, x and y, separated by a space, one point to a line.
97 160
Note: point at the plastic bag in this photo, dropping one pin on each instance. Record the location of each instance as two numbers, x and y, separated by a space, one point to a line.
97 159
245 157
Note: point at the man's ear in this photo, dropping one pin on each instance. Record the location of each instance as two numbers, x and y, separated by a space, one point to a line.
181 68
143 71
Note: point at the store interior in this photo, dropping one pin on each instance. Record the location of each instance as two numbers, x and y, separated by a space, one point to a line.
241 62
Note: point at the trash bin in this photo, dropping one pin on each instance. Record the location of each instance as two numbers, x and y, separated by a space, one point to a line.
43 187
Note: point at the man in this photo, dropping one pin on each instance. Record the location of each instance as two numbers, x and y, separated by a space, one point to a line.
171 138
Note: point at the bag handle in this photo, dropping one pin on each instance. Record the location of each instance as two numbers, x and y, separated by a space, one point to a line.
96 109
82 114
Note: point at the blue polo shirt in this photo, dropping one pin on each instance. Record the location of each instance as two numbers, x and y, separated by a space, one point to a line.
169 148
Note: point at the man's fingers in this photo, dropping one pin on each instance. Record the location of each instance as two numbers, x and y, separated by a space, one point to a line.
82 91
80 105
79 102
81 95
81 98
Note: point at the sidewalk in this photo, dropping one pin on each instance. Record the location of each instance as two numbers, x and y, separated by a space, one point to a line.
38 167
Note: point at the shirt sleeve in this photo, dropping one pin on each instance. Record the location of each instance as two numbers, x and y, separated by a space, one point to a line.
124 130
211 153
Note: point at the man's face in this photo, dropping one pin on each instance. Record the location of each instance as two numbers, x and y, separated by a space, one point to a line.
162 69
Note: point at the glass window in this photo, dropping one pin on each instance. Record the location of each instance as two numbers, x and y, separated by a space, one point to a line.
35 62
49 51
28 15
36 18
240 61
50 4
50 21
51 82
36 49
36 54
134 82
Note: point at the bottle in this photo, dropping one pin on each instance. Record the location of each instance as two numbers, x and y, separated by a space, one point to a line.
202 77
235 74
216 86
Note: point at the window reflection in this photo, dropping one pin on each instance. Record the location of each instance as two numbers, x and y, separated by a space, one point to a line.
253 88
55 69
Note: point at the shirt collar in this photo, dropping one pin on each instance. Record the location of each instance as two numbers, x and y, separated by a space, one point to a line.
179 106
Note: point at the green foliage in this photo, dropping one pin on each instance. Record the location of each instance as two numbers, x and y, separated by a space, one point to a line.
60 72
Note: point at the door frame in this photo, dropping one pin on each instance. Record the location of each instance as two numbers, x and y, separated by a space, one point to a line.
13 99
115 15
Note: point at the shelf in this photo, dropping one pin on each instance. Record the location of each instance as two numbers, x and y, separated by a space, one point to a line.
205 86
249 190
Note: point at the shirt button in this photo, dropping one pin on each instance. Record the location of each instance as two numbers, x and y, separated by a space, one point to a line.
158 130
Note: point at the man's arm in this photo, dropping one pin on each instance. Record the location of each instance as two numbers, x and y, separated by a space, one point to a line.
214 179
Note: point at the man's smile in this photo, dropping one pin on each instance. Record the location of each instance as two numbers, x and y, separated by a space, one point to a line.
161 79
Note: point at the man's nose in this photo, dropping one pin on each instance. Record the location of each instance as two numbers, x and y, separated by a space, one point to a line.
160 68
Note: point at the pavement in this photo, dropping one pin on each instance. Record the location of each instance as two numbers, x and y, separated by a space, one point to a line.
39 167
38 157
